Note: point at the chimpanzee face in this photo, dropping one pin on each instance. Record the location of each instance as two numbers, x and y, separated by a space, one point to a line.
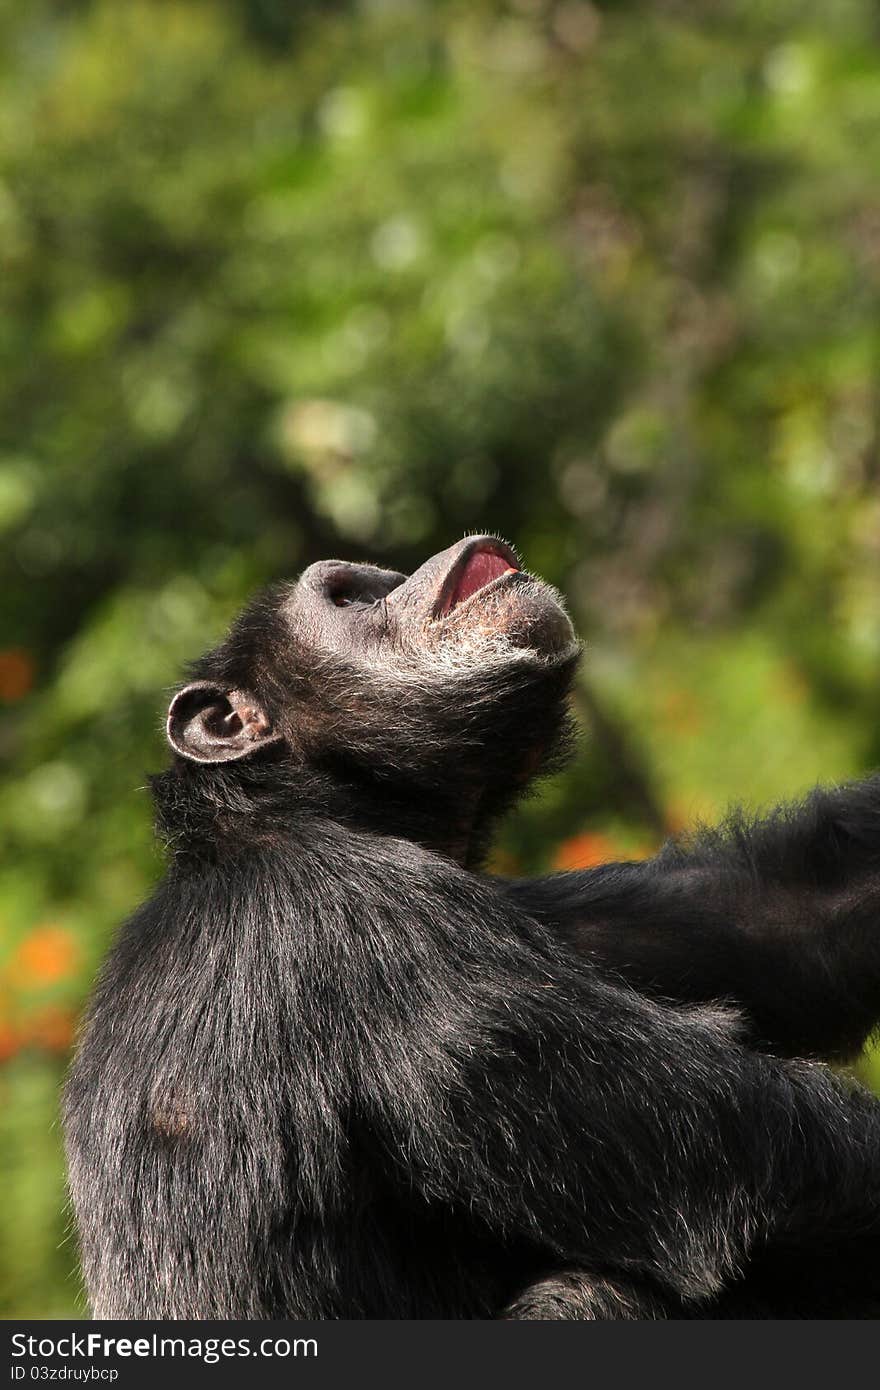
372 663
471 603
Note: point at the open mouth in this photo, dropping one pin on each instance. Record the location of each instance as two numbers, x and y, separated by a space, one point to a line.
476 569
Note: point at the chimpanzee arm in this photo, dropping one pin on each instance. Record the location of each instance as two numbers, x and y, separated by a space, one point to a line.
781 916
563 1111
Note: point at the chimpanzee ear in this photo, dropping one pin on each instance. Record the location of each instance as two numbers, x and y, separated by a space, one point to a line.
210 725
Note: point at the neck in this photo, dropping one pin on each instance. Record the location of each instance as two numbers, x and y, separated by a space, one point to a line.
206 816
205 813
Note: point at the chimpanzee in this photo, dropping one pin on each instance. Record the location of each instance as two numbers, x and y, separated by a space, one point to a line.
333 1070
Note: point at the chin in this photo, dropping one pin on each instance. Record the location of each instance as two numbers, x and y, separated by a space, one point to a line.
524 617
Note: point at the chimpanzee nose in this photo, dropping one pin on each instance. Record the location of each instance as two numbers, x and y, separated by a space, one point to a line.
341 582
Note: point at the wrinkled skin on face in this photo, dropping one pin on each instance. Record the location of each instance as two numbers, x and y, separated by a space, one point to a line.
471 600
449 683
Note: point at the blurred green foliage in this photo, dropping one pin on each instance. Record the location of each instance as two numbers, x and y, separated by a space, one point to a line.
280 281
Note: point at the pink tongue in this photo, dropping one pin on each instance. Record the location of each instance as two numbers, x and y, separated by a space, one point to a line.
480 570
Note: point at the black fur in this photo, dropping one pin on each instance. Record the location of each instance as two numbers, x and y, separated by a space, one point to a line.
332 1070
779 916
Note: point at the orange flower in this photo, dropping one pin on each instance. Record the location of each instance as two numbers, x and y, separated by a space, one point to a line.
585 851
16 674
47 955
9 1040
51 1028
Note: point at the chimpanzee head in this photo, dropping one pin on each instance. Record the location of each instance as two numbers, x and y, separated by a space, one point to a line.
421 703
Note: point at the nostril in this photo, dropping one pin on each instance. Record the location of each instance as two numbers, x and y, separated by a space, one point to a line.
347 586
366 586
340 586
